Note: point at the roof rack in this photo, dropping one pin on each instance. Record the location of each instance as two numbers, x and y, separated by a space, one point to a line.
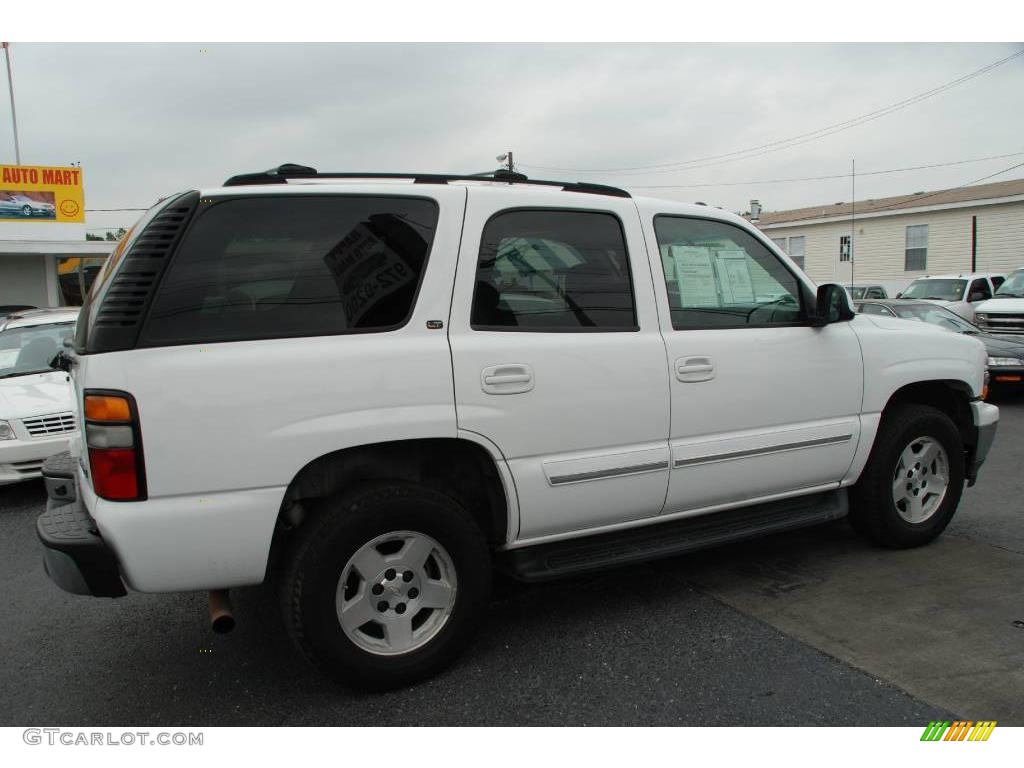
283 173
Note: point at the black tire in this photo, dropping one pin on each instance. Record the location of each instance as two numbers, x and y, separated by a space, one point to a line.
873 513
26 210
334 533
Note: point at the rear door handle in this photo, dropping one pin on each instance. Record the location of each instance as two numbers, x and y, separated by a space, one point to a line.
507 379
692 369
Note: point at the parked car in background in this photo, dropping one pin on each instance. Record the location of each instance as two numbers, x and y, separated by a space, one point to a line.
858 292
20 205
35 400
1004 312
1005 355
958 293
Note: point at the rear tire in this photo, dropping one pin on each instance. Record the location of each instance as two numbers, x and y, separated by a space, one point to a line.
385 585
911 486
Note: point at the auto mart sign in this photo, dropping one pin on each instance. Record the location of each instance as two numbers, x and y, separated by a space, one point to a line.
38 193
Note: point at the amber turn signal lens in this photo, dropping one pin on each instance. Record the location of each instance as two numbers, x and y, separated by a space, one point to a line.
107 408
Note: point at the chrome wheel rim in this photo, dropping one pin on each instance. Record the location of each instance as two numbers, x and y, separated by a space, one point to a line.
396 593
920 480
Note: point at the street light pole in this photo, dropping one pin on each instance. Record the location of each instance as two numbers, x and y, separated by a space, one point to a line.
14 116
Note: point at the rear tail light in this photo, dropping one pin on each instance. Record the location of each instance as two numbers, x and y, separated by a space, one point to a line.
114 440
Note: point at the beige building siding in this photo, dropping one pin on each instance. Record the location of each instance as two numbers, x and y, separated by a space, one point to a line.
879 244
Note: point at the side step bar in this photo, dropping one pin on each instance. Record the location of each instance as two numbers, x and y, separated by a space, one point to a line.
649 542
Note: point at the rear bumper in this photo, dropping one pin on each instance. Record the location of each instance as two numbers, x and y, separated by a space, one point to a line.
986 418
75 556
170 544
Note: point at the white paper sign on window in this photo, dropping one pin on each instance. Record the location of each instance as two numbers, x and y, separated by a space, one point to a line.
734 277
695 274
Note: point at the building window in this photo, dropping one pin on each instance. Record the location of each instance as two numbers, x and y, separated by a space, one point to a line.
917 248
781 242
796 250
75 276
844 248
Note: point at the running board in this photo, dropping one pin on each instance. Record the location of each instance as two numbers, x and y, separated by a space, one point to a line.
656 540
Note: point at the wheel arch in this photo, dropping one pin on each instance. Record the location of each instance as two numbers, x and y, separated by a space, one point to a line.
461 468
951 396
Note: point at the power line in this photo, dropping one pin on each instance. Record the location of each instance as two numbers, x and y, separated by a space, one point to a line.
822 178
944 191
792 141
746 183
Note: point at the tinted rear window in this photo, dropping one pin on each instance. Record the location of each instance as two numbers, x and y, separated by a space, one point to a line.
264 267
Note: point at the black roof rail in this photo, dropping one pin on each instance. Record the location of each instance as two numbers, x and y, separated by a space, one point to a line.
283 173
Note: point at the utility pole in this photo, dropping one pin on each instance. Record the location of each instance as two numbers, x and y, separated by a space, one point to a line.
853 211
14 117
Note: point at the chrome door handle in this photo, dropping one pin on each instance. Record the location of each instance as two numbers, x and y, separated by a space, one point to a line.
507 379
693 369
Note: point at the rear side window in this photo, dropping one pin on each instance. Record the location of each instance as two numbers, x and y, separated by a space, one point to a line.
264 267
552 270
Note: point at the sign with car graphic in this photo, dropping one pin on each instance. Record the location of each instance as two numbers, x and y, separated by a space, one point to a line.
41 193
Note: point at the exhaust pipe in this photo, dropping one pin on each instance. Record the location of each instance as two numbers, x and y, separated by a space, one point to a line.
222 616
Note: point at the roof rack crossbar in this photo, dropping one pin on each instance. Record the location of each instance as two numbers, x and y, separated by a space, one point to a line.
283 173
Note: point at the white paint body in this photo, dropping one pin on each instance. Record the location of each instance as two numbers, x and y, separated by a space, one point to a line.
227 426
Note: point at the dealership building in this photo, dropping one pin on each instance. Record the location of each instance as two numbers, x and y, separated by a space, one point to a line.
894 240
45 260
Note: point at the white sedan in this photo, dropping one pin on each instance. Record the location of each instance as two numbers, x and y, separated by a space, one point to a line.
35 401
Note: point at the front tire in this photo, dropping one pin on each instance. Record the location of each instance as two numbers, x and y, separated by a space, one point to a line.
385 585
26 210
913 480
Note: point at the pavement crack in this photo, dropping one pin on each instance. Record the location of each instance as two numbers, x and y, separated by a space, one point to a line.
986 543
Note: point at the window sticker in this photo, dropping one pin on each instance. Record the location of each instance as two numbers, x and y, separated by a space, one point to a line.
695 275
734 279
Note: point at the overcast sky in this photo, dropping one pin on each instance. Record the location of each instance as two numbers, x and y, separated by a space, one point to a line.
147 120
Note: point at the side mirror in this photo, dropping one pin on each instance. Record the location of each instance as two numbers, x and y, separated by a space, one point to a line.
899 295
832 305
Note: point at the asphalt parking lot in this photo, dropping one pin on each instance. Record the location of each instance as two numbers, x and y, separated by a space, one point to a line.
813 628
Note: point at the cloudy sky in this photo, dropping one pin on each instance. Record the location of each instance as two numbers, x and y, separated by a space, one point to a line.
147 120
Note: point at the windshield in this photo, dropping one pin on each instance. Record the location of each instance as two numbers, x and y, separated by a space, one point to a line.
1013 287
857 292
947 290
30 349
929 313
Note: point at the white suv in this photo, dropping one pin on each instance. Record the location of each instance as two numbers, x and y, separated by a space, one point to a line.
373 389
957 293
1004 312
